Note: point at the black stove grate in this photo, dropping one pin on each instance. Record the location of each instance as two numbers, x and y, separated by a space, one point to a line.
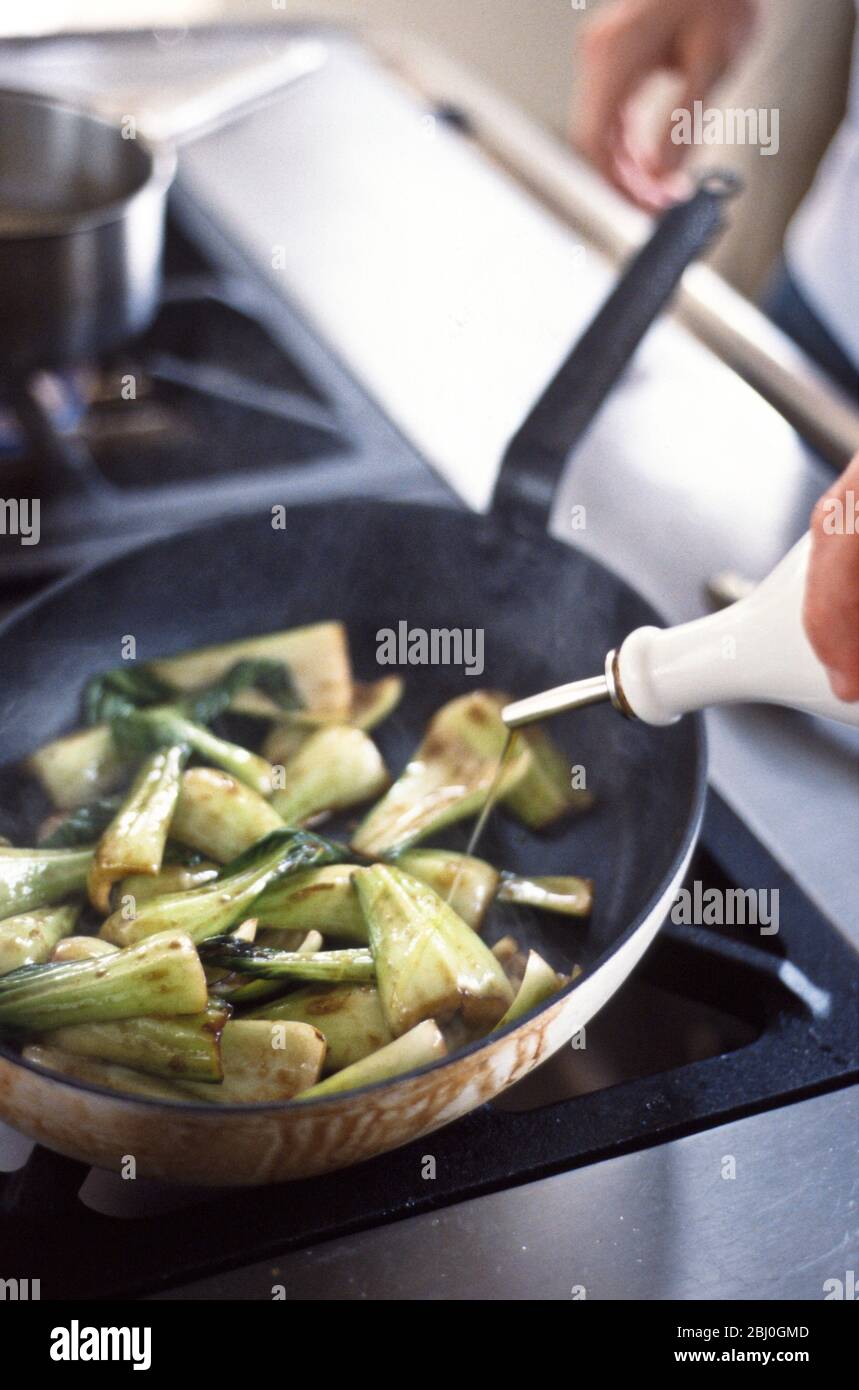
220 407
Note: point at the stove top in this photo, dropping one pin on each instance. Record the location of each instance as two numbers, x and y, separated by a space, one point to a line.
226 400
238 399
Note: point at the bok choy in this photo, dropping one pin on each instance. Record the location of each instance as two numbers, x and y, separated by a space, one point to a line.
417 1048
161 976
429 963
241 958
226 900
566 894
336 767
31 878
354 963
164 725
263 1061
448 778
31 938
219 815
184 1047
349 1016
134 841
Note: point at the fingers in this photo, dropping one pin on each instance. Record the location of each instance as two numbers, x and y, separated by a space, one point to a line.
621 48
702 67
630 172
831 608
614 66
705 49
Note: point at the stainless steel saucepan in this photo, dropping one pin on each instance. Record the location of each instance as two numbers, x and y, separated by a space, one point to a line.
82 206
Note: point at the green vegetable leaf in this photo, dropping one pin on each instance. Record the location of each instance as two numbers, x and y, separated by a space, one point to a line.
83 826
119 691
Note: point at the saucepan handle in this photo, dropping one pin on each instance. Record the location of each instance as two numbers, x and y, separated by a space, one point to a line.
535 456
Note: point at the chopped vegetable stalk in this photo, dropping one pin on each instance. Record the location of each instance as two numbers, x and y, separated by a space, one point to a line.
349 1017
219 815
316 656
371 702
231 954
80 767
134 841
162 725
31 878
326 899
466 884
82 948
336 767
539 983
505 949
160 976
429 963
112 1078
417 1048
173 878
512 959
187 1047
219 905
244 990
30 938
449 777
322 899
545 793
571 896
264 1061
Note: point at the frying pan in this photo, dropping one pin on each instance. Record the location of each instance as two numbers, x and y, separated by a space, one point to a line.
548 613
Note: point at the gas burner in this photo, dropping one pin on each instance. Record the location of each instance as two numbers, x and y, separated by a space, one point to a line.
227 404
64 396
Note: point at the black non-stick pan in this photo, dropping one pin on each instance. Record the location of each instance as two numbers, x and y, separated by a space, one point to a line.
549 614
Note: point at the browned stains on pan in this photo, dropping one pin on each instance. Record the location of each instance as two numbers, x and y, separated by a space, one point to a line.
222 1146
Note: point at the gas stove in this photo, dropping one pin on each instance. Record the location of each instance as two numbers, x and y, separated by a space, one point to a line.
268 381
227 404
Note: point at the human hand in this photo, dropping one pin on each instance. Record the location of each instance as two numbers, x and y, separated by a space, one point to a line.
831 608
626 43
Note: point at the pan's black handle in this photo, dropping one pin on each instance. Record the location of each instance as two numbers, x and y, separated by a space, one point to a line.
535 456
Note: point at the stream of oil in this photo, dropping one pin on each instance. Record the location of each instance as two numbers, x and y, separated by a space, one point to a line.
507 753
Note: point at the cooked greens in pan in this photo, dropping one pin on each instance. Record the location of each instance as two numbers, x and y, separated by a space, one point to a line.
182 930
